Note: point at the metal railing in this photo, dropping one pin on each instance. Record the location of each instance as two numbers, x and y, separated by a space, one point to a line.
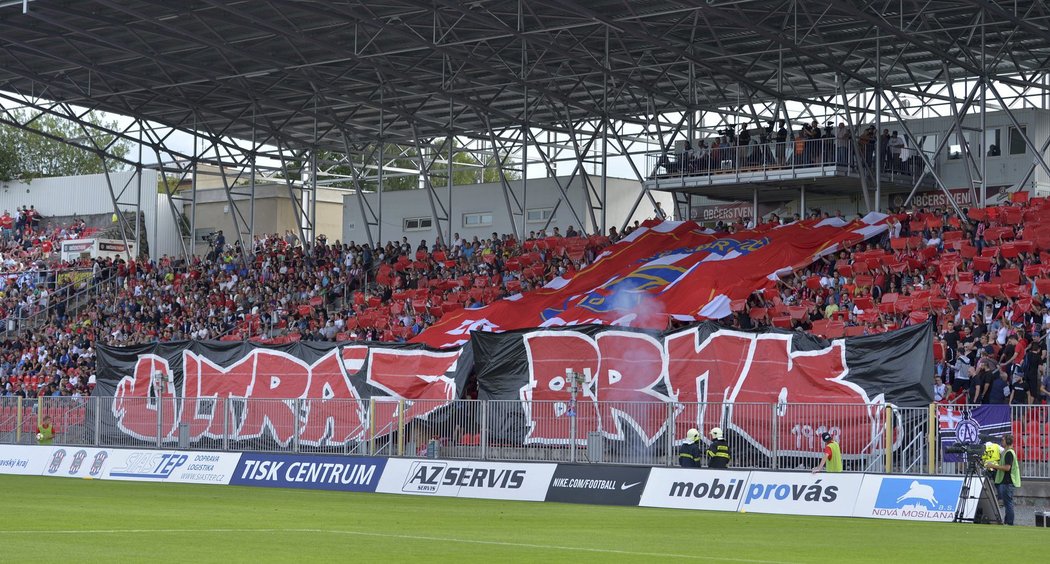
73 416
768 436
782 160
68 288
1030 425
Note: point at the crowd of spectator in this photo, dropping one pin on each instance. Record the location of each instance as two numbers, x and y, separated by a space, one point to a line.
275 291
51 361
982 282
775 145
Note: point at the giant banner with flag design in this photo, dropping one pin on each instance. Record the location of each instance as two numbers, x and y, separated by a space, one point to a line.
662 270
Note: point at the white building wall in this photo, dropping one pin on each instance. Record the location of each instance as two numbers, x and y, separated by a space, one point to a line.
64 195
164 231
90 195
539 196
1004 170
621 197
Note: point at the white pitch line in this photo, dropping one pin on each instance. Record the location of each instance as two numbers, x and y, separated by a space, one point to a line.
396 536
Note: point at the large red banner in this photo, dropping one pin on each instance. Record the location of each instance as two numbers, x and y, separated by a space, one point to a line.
775 390
662 270
318 396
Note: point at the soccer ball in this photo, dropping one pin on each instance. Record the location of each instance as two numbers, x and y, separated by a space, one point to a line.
39 436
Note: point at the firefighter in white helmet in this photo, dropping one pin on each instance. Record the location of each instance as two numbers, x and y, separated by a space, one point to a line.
689 455
718 451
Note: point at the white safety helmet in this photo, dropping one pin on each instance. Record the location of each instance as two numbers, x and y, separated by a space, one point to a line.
716 433
692 436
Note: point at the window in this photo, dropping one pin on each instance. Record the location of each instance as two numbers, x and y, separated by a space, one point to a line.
927 144
993 142
1017 146
539 215
971 142
480 219
418 223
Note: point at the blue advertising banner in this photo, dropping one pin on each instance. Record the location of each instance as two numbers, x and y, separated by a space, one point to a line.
342 473
912 498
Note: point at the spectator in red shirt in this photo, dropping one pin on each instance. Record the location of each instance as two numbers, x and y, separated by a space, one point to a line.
7 225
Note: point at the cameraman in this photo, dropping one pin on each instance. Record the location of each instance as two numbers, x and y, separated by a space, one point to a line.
993 454
1007 477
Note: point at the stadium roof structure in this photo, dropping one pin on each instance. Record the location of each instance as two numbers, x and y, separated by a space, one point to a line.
577 80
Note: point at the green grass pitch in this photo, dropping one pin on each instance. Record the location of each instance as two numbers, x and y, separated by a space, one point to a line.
54 519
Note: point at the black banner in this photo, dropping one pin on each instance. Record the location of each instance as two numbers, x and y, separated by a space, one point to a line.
774 390
206 387
601 485
627 376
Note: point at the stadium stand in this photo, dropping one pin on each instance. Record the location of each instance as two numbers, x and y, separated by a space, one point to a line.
983 282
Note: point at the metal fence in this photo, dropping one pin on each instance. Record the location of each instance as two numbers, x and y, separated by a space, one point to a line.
68 289
873 438
75 417
1030 426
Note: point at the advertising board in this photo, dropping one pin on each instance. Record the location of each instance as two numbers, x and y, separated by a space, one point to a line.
801 493
684 488
600 485
23 460
76 462
467 478
310 472
171 466
913 498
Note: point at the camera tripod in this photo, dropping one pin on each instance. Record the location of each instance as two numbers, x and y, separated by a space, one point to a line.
987 508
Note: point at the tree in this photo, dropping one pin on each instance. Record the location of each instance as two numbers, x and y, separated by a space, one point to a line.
401 167
31 153
396 160
10 164
467 168
394 157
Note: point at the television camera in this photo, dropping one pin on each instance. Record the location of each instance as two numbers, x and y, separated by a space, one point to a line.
987 509
728 131
972 452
